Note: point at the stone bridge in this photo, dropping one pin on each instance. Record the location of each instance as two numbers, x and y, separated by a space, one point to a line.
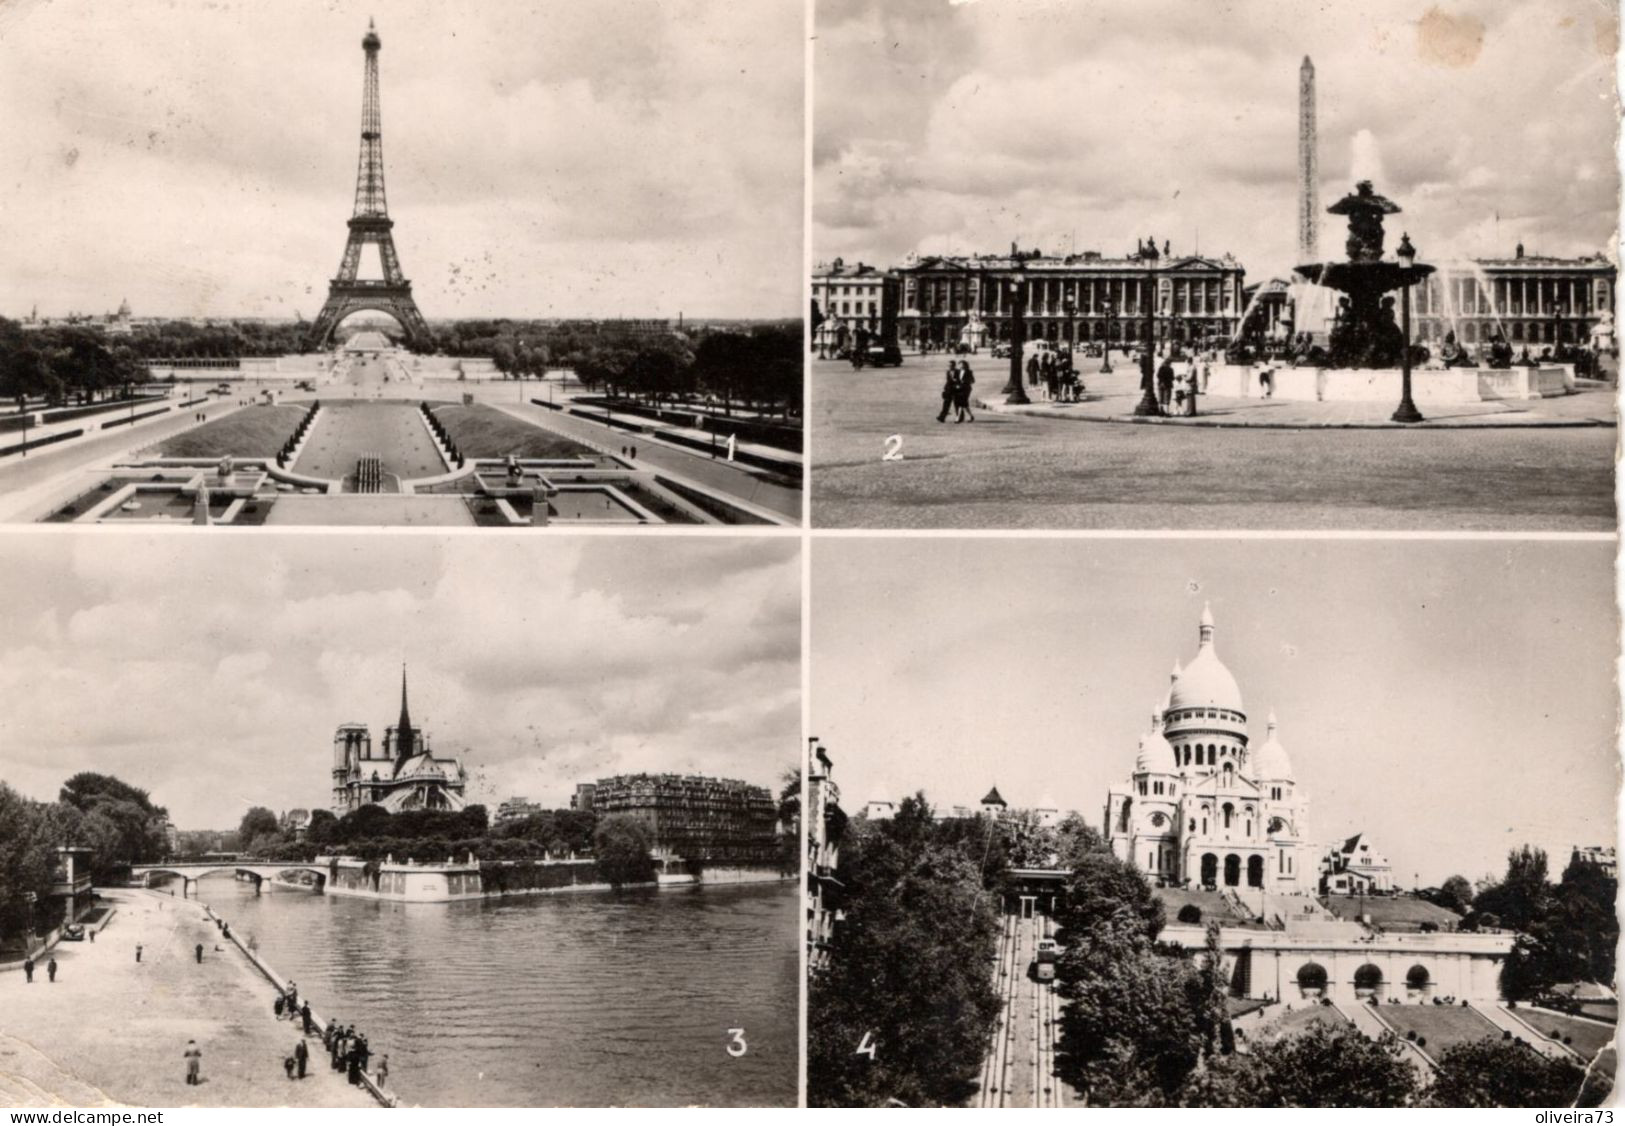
257 870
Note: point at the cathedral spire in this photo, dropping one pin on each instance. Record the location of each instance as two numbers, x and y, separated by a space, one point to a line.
403 726
1205 630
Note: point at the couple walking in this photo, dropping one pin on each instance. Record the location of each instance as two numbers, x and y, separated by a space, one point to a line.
956 389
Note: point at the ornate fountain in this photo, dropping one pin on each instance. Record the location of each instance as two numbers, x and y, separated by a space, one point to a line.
1365 334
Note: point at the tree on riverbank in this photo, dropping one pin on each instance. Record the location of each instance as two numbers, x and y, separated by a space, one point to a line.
622 846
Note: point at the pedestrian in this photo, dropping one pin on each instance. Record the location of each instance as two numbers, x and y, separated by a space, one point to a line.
301 1055
1192 377
1165 384
383 1070
950 387
50 968
365 1050
352 1066
962 393
304 1012
293 995
28 970
200 953
1032 370
194 1063
287 1066
634 453
92 936
277 1006
138 951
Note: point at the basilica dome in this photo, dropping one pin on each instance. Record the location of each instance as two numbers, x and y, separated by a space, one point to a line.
1270 763
1205 682
1156 754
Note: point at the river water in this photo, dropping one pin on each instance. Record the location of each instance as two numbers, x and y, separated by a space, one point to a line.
586 999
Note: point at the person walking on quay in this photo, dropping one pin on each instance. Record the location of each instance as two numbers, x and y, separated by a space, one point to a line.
383 1070
363 1050
277 1006
950 389
199 953
50 968
194 1063
304 1013
28 969
1192 377
962 392
287 1066
1032 370
138 952
352 1066
301 1056
1165 384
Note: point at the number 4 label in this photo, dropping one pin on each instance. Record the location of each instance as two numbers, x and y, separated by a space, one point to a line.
868 1047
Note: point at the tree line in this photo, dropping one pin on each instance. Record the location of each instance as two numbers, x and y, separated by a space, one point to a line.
118 824
1143 1022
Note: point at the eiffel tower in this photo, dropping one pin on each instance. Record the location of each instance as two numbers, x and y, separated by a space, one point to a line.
370 223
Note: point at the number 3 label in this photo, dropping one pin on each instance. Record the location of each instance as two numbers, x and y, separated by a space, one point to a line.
894 448
737 1046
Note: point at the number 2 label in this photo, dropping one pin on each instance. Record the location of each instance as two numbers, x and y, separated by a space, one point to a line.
737 1046
894 448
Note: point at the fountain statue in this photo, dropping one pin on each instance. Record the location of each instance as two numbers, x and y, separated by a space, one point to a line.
1365 334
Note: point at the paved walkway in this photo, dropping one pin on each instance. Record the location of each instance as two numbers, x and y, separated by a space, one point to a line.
1112 398
1010 470
110 1031
730 479
28 482
392 430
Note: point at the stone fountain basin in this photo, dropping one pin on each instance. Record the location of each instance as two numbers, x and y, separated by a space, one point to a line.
1379 277
1363 385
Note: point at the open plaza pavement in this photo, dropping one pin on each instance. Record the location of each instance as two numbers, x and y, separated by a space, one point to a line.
111 1031
1545 465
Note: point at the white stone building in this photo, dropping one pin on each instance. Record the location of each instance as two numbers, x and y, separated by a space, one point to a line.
1205 807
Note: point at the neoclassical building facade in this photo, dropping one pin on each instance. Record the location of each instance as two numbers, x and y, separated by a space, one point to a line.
1072 298
1205 807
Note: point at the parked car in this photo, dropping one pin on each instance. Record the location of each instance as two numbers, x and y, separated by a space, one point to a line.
880 356
73 932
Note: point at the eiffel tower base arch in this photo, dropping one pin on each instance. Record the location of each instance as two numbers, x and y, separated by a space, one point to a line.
393 301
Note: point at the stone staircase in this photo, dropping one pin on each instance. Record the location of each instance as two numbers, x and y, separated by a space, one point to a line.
1503 1018
1368 1020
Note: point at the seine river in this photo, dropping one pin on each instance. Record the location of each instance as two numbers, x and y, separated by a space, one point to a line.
587 999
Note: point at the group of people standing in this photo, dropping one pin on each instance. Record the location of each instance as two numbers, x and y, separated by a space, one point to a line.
349 1052
1055 375
1175 390
956 392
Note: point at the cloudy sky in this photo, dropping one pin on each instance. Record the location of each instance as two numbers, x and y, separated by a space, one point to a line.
953 126
214 674
546 158
1454 699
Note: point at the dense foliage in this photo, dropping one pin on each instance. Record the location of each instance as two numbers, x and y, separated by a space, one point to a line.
1566 933
622 844
908 976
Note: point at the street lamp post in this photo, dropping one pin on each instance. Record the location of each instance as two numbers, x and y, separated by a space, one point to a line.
1148 407
1014 392
1106 349
1070 308
1406 253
